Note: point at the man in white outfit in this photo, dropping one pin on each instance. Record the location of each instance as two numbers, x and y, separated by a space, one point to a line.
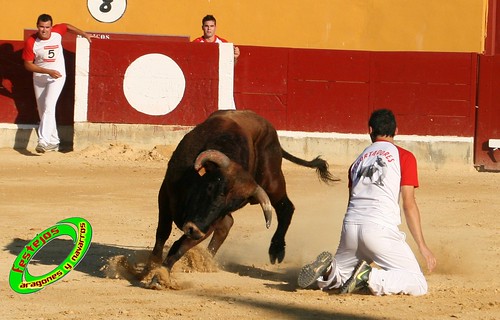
370 233
43 55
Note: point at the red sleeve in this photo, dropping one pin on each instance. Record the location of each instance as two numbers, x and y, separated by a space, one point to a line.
28 53
60 28
409 175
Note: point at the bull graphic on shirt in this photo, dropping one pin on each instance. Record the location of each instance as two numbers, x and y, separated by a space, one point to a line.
375 172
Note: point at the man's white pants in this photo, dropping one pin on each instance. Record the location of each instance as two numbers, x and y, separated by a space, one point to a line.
399 271
47 91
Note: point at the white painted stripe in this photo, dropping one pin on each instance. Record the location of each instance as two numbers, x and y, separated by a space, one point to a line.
226 76
81 79
494 143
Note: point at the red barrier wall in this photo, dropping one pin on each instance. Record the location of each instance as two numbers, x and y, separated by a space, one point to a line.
335 91
300 89
297 89
109 61
433 94
17 99
16 86
488 124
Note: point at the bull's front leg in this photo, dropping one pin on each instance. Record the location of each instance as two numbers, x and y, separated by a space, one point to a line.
162 234
180 247
284 211
221 231
164 227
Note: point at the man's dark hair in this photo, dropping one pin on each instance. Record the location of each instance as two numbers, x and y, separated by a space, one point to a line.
44 18
383 123
208 17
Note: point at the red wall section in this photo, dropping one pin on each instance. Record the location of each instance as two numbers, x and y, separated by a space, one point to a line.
17 99
296 89
261 82
328 91
109 60
433 93
335 91
488 115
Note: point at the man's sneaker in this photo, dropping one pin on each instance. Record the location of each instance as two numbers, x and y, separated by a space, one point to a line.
358 280
310 272
40 148
51 147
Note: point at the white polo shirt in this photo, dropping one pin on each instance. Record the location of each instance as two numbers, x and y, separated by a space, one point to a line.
375 181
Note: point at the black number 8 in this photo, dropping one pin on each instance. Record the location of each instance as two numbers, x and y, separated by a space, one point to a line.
105 6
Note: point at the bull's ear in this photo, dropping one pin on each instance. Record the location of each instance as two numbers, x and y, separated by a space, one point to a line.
206 167
202 171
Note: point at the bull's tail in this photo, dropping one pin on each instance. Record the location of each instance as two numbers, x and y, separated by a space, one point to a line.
319 164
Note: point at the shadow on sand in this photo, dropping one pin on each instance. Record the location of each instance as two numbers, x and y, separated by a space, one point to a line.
97 260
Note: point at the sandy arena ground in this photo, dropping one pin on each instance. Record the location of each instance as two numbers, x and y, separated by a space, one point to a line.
115 189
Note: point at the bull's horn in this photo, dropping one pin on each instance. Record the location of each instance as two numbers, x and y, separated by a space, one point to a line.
265 203
211 155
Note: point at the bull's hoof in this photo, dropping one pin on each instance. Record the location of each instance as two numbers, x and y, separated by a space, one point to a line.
155 284
160 279
276 253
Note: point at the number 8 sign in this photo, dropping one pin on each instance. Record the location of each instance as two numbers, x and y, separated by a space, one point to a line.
107 10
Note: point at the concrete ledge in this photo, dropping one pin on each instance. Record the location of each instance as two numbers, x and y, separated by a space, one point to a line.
342 149
136 135
24 136
440 152
338 149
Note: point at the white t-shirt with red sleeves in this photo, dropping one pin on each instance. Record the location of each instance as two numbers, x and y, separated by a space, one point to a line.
47 53
375 181
217 40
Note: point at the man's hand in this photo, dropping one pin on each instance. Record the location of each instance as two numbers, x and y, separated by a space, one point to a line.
54 73
430 259
236 53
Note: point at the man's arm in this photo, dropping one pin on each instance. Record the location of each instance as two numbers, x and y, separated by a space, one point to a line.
32 67
79 32
412 215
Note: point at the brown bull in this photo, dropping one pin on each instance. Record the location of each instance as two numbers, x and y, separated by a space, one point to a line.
231 159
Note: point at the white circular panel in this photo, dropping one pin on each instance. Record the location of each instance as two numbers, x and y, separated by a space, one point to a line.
154 84
107 10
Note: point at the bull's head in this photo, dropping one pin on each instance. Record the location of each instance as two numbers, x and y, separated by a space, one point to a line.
222 189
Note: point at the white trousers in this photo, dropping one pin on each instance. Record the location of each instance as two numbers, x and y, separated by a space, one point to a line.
47 91
399 271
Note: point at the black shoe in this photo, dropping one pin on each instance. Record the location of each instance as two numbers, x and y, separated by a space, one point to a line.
310 272
358 280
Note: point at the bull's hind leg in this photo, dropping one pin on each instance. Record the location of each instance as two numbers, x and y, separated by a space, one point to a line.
221 231
284 211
